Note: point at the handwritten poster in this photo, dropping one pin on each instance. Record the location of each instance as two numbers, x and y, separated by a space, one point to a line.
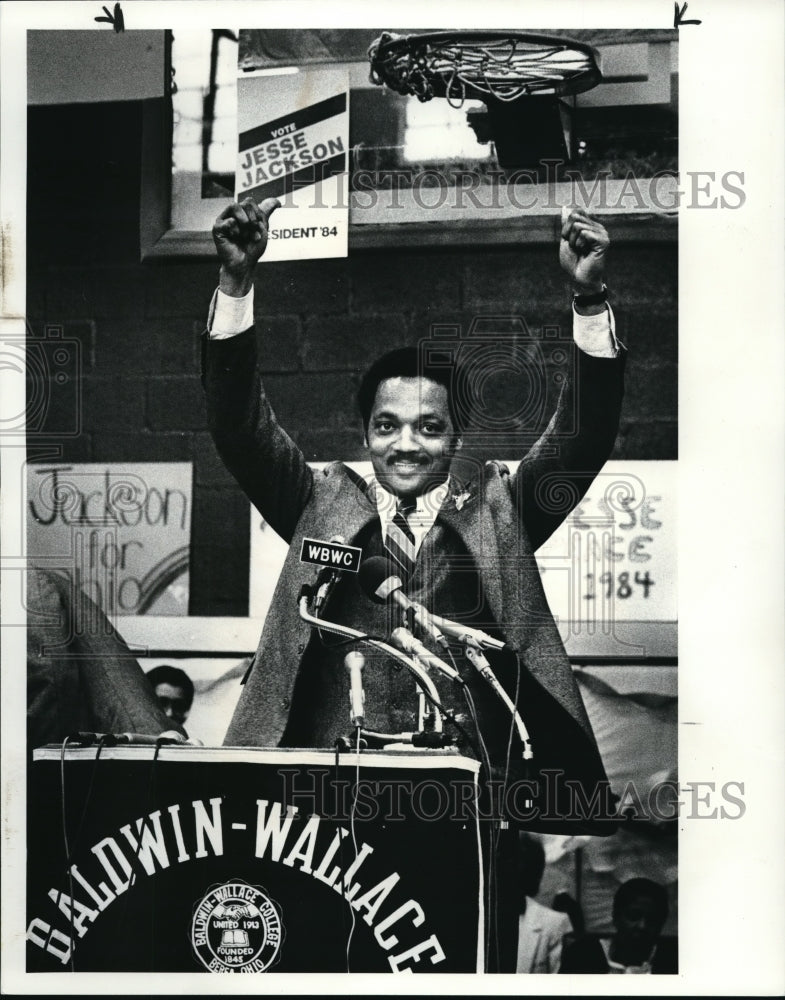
293 145
122 531
614 557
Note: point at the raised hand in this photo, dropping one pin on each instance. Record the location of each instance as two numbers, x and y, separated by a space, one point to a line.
582 250
240 236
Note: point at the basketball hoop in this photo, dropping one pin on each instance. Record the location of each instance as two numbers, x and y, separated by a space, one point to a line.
519 77
472 65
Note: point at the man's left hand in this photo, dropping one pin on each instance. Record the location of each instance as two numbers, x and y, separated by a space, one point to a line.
178 737
582 249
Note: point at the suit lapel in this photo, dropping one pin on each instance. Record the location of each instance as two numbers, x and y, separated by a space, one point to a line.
348 506
473 523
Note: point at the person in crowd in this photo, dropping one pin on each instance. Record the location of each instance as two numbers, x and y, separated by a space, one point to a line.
174 690
640 909
563 902
541 930
81 675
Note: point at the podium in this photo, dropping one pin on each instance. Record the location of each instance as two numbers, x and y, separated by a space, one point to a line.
240 860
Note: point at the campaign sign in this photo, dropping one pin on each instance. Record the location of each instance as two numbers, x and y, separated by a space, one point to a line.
238 860
293 145
120 530
613 559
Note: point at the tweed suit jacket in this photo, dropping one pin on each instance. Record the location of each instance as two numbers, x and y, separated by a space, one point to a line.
501 519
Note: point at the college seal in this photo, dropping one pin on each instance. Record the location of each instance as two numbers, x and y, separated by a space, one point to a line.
236 928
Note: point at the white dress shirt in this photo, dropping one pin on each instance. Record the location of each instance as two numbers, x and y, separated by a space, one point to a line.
594 335
421 519
617 968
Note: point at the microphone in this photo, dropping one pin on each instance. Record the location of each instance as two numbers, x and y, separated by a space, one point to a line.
327 579
422 676
404 640
465 633
145 740
125 739
354 663
478 659
380 586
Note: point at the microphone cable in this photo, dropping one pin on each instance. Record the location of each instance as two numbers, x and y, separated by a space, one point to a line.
496 829
490 888
139 835
349 933
366 637
512 724
105 740
69 873
353 831
346 931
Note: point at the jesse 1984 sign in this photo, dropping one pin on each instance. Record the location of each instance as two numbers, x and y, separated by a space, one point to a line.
614 558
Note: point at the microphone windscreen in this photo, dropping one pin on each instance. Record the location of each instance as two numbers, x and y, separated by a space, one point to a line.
373 572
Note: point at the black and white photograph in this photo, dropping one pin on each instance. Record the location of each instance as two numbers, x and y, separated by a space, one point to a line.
378 399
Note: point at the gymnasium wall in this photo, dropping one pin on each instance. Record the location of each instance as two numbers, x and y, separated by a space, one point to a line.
319 323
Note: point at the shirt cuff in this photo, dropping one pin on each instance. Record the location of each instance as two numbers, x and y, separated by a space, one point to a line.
596 335
229 316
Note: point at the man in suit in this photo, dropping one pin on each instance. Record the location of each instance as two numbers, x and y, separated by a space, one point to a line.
471 543
462 548
541 930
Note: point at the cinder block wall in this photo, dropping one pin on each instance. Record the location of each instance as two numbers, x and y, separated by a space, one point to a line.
319 323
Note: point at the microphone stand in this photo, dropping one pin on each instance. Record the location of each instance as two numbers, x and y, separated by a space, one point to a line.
422 710
420 675
478 659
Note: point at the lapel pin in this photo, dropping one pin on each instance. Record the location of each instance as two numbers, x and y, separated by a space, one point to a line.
460 499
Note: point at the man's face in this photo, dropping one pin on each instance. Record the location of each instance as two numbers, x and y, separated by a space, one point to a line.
173 701
410 436
638 924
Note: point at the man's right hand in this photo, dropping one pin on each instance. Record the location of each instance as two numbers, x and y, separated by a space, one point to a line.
240 236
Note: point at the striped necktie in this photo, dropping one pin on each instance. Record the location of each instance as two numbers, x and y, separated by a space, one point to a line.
400 539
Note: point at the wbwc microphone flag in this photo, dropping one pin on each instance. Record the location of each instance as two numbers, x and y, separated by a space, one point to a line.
293 145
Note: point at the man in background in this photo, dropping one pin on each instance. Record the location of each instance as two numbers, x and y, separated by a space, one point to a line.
174 690
81 675
640 909
541 931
